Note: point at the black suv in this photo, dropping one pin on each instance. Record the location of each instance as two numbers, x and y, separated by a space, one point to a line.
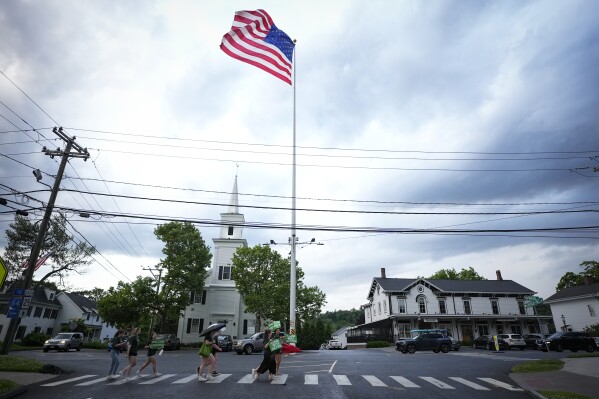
571 340
427 341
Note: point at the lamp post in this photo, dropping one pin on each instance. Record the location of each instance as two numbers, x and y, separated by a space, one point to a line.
564 321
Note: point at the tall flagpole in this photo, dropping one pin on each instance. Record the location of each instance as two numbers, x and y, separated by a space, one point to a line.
292 279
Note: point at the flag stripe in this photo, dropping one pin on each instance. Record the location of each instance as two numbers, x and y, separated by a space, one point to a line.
255 40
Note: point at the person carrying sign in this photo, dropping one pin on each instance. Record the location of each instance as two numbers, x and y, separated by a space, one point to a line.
275 346
268 360
153 346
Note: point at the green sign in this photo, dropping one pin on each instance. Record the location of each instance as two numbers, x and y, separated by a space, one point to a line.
533 301
273 325
158 344
3 273
292 339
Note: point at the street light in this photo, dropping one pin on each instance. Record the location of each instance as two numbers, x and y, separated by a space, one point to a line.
564 321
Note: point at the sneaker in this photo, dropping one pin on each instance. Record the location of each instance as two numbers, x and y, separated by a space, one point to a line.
110 377
256 376
157 375
127 379
215 373
115 376
139 375
254 373
201 378
208 376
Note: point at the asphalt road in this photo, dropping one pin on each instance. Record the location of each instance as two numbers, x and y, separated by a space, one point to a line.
360 373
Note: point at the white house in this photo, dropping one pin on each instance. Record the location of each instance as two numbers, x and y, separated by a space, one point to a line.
219 301
75 306
40 316
575 308
466 308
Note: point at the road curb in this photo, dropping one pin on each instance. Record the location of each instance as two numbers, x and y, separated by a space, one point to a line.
14 393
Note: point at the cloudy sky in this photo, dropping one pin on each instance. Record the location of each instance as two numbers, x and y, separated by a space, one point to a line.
430 134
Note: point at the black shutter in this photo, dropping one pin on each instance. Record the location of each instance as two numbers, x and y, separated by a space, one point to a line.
188 326
245 327
220 272
204 297
201 325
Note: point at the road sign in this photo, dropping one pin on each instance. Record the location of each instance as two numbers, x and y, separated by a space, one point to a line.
15 302
12 313
26 302
18 291
28 293
533 301
3 273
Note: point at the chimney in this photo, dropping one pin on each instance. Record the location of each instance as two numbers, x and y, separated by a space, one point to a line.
499 278
588 280
383 275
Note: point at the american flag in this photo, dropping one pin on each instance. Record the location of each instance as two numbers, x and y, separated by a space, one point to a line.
39 262
255 39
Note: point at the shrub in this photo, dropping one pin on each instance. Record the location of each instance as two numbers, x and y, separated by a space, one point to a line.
377 344
34 339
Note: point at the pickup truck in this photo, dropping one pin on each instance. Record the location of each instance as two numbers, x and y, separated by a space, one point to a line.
426 341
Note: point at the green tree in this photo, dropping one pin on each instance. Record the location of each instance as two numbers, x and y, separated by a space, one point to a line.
571 279
67 255
343 318
452 274
262 278
313 333
183 270
94 294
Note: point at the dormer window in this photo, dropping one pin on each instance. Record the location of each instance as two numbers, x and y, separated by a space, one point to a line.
378 289
51 296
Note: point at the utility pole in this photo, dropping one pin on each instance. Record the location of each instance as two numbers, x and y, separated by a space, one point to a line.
157 291
35 251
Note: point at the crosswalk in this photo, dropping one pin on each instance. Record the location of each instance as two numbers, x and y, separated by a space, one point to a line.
479 384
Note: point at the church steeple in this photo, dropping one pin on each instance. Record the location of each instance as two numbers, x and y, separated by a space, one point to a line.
234 203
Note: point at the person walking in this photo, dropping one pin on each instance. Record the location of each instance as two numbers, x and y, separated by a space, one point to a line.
207 358
115 351
132 347
215 350
151 359
268 361
277 352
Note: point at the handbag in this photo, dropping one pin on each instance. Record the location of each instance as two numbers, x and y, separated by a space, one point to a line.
205 350
275 344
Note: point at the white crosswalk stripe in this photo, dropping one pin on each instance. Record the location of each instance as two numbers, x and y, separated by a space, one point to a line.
154 380
500 384
341 379
186 379
470 384
53 384
309 379
375 382
405 382
437 383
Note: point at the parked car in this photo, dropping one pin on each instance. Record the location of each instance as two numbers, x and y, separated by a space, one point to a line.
64 342
487 342
436 342
531 339
225 342
455 344
171 342
513 341
334 344
251 344
571 340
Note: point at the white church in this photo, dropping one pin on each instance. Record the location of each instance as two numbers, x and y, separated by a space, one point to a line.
219 301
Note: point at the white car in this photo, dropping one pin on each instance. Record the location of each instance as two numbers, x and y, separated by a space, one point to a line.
513 341
334 344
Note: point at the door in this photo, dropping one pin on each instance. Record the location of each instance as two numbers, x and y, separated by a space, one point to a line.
466 332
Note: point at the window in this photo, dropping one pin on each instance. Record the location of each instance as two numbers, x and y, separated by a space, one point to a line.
403 330
204 292
47 313
51 296
421 304
87 318
374 311
521 307
54 314
378 289
97 318
483 329
516 329
380 308
29 311
38 312
230 232
49 331
495 307
37 329
401 305
591 310
225 272
385 307
3 308
442 308
195 324
467 309
201 327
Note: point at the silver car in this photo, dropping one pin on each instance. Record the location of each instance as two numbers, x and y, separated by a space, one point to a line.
513 341
64 342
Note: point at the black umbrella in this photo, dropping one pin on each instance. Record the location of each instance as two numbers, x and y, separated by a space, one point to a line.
212 328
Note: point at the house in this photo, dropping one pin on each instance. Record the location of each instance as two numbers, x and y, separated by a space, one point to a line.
219 300
466 308
40 316
575 308
76 306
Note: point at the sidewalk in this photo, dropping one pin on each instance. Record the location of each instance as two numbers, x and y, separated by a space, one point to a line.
579 375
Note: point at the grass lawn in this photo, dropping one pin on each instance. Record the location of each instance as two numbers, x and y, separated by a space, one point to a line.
17 363
562 395
535 366
7 385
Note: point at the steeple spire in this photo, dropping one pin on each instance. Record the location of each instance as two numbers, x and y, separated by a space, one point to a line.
234 203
